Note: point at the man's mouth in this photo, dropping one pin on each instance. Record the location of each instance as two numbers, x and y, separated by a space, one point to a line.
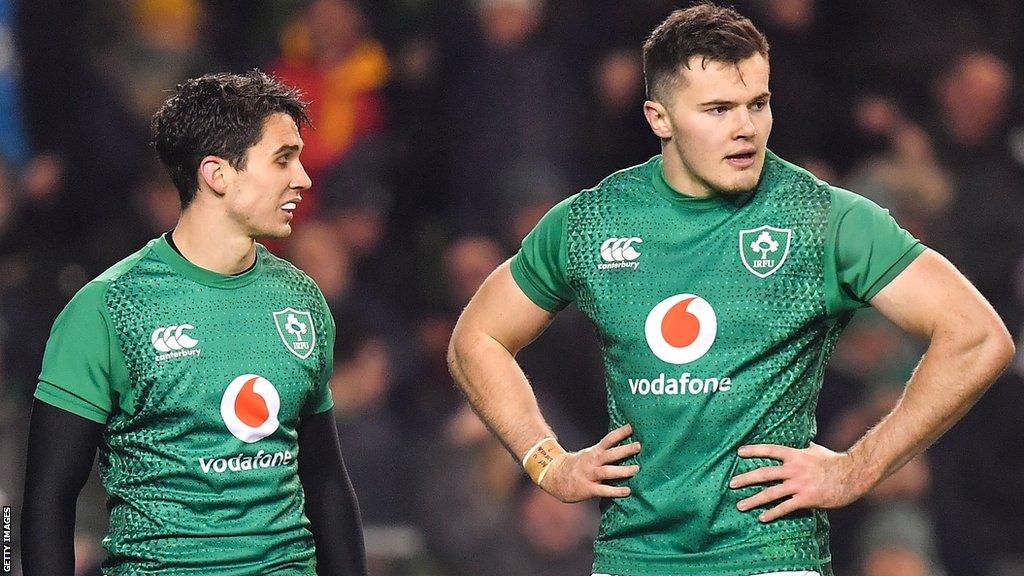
743 159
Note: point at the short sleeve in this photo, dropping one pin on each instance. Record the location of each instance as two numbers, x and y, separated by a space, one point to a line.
864 250
539 268
321 400
77 373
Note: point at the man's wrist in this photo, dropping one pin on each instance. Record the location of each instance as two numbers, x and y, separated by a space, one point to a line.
863 472
540 457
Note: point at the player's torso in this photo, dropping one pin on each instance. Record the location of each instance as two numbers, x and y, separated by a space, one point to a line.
204 442
712 322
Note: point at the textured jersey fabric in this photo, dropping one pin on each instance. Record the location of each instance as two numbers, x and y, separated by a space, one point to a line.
715 317
200 380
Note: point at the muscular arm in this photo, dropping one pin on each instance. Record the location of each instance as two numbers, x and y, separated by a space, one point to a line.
968 347
498 322
330 500
61 449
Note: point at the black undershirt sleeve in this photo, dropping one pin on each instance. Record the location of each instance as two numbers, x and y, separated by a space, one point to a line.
61 449
330 500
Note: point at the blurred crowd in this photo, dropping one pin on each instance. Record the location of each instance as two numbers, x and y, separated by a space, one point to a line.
442 132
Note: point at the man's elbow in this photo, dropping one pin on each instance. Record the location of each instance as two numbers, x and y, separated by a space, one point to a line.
996 347
453 356
457 345
1005 349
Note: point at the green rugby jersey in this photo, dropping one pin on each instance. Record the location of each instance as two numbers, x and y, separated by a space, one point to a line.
200 379
715 317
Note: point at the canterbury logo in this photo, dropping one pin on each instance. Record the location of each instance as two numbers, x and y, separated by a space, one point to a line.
620 249
169 338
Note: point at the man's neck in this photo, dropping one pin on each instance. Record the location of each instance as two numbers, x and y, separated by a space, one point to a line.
204 241
678 178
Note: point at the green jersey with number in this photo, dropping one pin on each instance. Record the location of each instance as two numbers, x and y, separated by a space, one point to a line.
715 317
200 380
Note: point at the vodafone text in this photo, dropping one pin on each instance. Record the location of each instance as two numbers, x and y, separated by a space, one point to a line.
684 384
243 462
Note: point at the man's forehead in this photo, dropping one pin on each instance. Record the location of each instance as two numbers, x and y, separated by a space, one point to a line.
280 129
703 73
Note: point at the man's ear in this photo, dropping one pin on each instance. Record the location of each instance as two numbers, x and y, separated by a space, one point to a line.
657 117
213 171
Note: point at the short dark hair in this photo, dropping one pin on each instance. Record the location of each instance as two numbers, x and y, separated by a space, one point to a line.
712 32
220 115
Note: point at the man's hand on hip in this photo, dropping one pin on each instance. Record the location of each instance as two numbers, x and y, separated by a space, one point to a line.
812 477
578 476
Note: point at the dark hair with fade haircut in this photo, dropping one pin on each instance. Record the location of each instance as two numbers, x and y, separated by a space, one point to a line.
218 115
707 30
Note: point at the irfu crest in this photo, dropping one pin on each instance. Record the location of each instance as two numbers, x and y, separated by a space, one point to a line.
764 250
297 331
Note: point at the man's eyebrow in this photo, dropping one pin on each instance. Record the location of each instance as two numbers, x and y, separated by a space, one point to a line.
761 96
286 148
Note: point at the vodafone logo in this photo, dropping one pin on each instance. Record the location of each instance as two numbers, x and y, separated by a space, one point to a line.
249 407
681 328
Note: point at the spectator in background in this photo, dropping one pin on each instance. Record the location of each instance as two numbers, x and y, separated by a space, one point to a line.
40 266
377 455
905 176
979 477
548 537
428 398
889 532
329 52
899 540
463 467
356 205
466 469
14 144
152 208
973 96
331 261
525 193
467 262
418 147
894 45
161 46
804 107
614 134
973 99
511 102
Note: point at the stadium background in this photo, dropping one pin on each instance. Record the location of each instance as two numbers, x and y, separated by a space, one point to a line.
443 131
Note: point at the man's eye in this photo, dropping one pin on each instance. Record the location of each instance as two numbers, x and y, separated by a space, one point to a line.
759 105
719 110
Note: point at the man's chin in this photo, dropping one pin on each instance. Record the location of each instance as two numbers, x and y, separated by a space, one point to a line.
742 183
737 188
278 234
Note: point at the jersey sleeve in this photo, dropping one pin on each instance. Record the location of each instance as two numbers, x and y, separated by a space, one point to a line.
79 373
321 400
864 250
539 268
